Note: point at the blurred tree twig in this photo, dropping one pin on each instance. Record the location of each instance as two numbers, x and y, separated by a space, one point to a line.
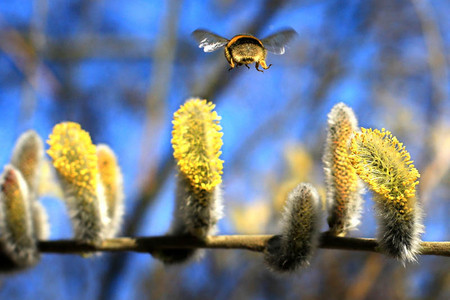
436 58
367 277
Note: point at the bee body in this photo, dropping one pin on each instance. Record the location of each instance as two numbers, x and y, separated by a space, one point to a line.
245 49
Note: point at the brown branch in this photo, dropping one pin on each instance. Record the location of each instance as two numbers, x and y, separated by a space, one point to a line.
256 243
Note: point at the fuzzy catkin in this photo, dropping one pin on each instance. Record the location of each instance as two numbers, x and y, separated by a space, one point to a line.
112 181
28 156
399 234
295 246
385 165
75 158
196 214
196 141
17 238
344 188
87 212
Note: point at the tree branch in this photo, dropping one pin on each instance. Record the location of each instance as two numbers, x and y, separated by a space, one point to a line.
256 243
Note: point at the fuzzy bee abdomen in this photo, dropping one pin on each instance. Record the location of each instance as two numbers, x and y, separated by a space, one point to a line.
245 50
247 53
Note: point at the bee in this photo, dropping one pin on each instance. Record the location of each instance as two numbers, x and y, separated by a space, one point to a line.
245 49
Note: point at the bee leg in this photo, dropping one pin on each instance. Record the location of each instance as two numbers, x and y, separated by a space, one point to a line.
257 68
247 66
263 64
231 62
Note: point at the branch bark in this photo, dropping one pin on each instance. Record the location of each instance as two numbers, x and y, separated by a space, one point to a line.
255 243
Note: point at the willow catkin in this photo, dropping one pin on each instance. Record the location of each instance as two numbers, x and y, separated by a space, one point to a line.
112 181
299 237
28 157
75 159
344 188
17 239
385 165
196 140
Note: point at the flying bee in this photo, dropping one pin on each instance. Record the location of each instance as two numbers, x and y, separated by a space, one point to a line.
245 49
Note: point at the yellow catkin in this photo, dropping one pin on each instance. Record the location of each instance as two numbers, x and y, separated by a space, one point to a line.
196 141
344 174
74 156
343 185
385 165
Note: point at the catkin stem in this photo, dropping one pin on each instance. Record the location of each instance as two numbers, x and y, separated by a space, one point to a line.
247 242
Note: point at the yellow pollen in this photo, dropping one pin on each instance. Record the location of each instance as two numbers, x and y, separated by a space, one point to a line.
196 141
74 156
384 164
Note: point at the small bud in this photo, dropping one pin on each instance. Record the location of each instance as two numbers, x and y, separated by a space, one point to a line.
300 233
196 140
16 229
28 158
385 165
344 188
111 178
75 159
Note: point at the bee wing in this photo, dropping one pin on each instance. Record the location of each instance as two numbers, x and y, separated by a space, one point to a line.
276 43
209 41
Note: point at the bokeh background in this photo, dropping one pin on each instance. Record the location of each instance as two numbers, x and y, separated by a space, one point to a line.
121 68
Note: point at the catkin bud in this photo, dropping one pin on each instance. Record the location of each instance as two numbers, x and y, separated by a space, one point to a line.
344 188
385 165
196 140
111 178
40 221
28 156
300 233
75 159
16 229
